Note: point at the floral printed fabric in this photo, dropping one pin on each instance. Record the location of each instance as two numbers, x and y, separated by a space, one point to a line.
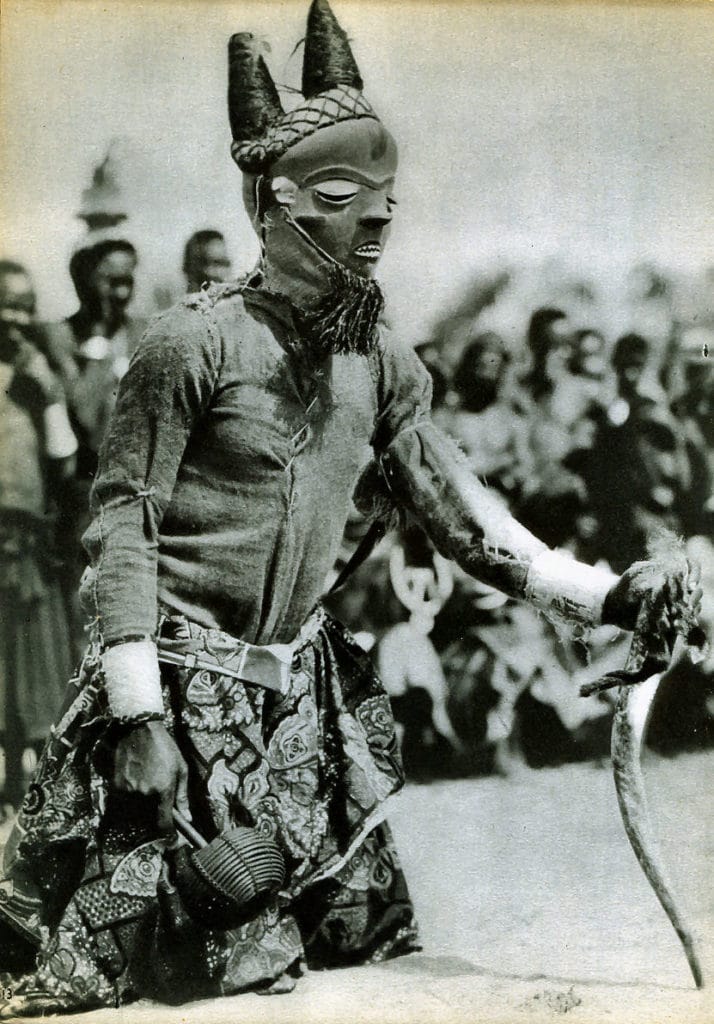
87 873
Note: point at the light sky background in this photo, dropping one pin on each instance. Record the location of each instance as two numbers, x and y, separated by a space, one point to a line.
526 131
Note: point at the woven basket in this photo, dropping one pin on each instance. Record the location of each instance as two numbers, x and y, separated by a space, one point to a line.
231 879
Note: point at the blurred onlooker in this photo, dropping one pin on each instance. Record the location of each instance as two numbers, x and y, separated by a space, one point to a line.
37 447
588 357
486 422
205 259
637 473
552 493
548 339
91 348
587 368
90 351
694 409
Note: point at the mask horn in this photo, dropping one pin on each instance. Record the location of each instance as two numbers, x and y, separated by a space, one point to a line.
328 60
253 100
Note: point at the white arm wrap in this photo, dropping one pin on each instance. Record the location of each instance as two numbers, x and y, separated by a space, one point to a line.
565 589
60 441
132 681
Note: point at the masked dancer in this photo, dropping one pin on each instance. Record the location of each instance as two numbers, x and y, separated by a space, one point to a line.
215 683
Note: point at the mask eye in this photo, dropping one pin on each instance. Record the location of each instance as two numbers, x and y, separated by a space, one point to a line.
337 191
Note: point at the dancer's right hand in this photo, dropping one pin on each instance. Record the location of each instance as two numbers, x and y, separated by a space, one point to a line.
148 761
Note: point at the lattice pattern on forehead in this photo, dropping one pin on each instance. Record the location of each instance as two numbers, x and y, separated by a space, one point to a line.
340 104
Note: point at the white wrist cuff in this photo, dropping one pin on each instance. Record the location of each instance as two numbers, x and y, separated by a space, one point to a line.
132 681
562 587
60 442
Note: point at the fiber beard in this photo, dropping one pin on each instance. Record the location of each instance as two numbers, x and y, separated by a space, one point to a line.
345 318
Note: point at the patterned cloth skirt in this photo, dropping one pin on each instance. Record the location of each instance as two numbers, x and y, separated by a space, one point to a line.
87 876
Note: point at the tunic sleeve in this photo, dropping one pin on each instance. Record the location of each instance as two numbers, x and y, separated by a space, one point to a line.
428 475
404 392
168 386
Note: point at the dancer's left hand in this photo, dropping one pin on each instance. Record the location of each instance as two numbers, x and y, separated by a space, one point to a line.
642 579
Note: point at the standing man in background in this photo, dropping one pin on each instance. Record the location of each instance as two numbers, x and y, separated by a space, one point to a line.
90 352
205 260
37 449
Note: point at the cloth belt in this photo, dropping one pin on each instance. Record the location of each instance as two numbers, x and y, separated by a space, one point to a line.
267 666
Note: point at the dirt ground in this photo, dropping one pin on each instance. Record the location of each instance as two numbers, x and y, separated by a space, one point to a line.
532 907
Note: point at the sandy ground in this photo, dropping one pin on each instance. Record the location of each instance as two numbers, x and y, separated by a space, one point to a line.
532 907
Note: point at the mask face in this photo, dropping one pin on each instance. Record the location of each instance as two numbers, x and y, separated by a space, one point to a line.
339 187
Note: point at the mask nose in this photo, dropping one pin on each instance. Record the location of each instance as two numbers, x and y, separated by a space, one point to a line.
377 214
375 223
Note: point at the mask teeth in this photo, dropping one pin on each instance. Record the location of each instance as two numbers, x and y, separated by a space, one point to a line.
369 249
328 60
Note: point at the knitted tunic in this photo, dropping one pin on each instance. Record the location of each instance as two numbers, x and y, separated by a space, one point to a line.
226 476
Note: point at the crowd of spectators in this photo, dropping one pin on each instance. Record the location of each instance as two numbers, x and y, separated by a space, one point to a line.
598 438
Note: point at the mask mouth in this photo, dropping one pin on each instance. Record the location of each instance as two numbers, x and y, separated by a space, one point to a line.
368 251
